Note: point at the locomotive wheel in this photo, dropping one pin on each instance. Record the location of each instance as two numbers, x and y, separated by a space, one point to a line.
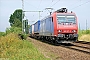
55 43
52 42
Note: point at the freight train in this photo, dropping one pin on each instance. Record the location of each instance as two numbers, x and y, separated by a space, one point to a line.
59 27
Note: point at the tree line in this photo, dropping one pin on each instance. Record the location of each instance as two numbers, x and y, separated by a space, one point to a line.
15 20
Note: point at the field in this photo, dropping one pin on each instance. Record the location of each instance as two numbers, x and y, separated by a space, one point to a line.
84 35
13 48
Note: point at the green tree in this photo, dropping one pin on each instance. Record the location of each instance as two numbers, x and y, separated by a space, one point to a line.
17 23
16 18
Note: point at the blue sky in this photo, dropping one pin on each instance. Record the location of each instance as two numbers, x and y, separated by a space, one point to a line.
80 7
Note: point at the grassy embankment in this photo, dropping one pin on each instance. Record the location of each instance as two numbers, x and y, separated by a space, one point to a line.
84 35
13 48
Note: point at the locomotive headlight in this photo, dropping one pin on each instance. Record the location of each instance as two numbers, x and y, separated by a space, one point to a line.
74 30
59 30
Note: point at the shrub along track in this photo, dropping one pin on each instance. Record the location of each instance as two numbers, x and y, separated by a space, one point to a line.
61 52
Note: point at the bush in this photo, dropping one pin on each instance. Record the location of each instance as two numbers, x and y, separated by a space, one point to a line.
22 36
13 30
87 31
81 32
16 30
2 34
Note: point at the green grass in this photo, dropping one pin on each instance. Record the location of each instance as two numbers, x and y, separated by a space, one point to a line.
13 48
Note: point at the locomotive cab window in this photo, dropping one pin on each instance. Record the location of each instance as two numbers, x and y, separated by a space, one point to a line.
71 19
66 19
61 19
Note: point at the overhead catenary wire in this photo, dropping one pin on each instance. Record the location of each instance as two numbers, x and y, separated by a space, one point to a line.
80 5
55 3
39 4
31 4
36 8
51 5
44 9
75 3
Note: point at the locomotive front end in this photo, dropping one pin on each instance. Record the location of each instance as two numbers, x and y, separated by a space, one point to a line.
67 27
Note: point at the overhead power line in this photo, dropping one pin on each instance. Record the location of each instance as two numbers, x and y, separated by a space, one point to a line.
34 11
75 3
39 4
55 3
80 5
31 4
51 5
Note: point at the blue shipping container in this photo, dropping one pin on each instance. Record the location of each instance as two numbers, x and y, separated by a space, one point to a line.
46 27
37 27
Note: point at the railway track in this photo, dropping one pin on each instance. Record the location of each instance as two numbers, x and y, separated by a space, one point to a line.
81 47
83 42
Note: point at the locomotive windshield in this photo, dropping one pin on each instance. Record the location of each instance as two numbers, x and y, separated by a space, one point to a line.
61 19
66 19
71 19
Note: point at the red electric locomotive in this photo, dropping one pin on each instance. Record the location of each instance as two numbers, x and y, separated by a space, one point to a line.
65 26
